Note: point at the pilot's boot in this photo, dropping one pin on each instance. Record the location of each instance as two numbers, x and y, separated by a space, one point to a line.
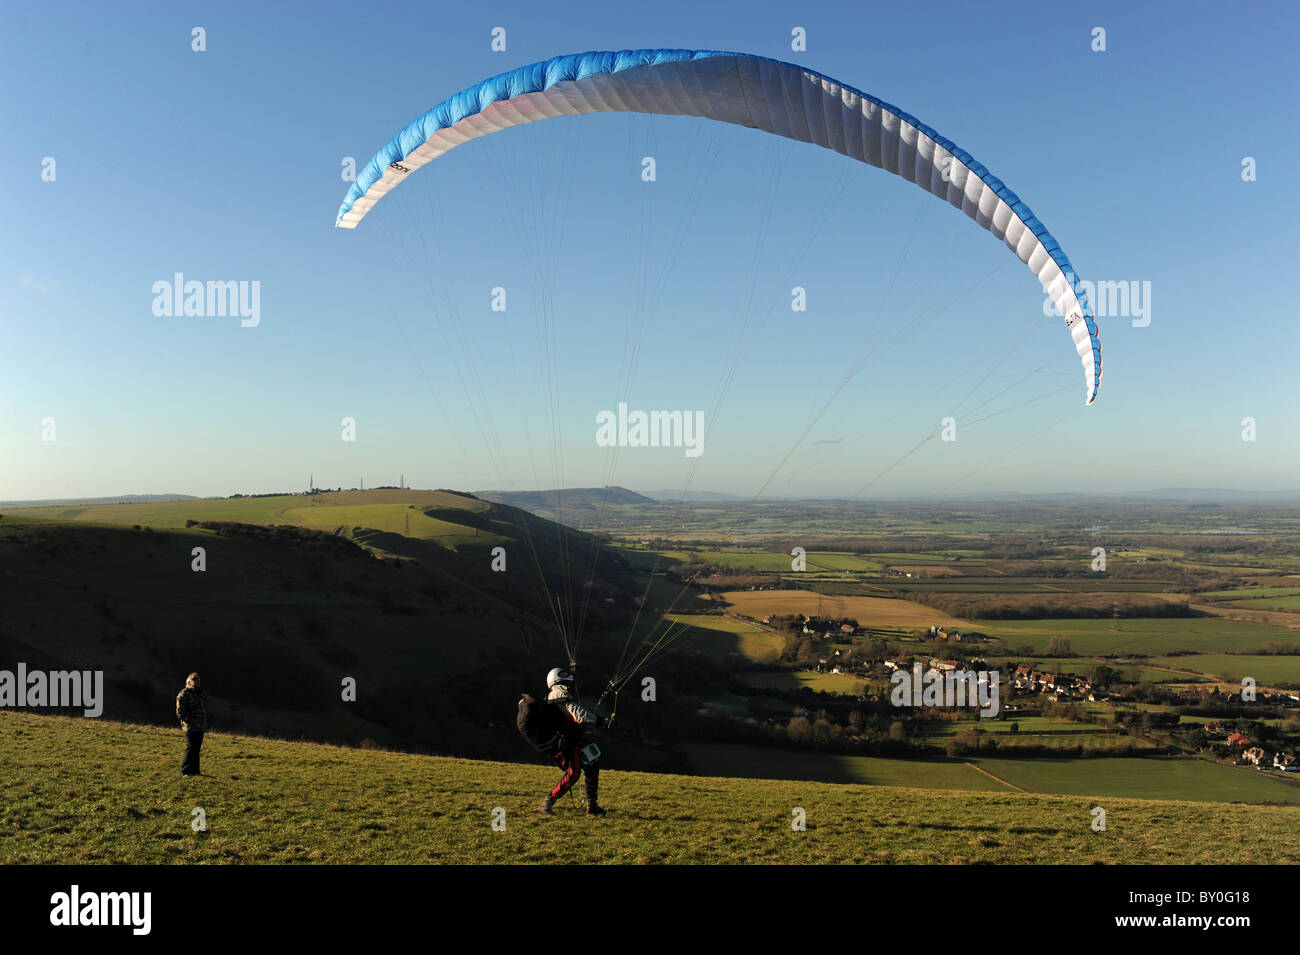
593 784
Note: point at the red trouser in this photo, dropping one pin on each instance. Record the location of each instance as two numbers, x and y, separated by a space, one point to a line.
571 763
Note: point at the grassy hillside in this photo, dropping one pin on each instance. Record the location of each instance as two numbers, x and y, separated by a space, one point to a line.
438 643
89 791
271 509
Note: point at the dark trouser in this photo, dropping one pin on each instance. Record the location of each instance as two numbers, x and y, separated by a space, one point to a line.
193 743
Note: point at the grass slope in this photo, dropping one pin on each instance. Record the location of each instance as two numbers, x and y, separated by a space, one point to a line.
91 791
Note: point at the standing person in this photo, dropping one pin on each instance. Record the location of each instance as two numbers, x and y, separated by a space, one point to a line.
193 714
576 716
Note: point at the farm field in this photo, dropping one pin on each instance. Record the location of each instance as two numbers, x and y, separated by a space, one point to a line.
801 679
723 637
868 611
1148 777
954 583
1086 666
1027 725
1065 742
1150 635
1266 670
1289 604
760 560
752 762
1253 592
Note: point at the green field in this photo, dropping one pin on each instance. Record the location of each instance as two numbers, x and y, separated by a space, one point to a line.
1282 604
1028 725
1149 777
722 637
1085 666
805 679
760 560
1264 669
1149 635
751 762
1252 592
1064 743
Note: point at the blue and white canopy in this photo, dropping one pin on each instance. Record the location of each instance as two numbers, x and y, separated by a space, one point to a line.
753 91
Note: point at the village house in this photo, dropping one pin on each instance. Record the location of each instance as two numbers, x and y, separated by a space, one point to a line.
1237 739
1285 762
1256 755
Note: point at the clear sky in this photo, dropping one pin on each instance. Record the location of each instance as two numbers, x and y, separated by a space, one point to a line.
227 165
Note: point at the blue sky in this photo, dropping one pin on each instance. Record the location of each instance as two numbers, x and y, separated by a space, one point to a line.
226 165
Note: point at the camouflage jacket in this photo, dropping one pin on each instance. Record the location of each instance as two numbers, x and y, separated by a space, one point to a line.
191 710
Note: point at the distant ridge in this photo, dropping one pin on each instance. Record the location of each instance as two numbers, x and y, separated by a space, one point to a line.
1220 495
575 497
674 496
115 499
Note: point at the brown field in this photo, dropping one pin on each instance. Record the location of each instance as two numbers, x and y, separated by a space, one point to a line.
868 611
1272 618
936 570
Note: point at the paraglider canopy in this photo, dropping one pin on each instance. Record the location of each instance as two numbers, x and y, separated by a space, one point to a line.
744 90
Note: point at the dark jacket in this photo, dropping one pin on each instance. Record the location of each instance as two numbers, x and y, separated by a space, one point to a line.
191 710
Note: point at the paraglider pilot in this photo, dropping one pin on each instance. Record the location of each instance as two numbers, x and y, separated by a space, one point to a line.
556 727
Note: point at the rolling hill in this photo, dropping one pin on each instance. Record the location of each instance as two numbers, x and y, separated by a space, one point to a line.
394 589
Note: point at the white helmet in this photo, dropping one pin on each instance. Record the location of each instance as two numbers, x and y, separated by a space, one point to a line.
558 675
